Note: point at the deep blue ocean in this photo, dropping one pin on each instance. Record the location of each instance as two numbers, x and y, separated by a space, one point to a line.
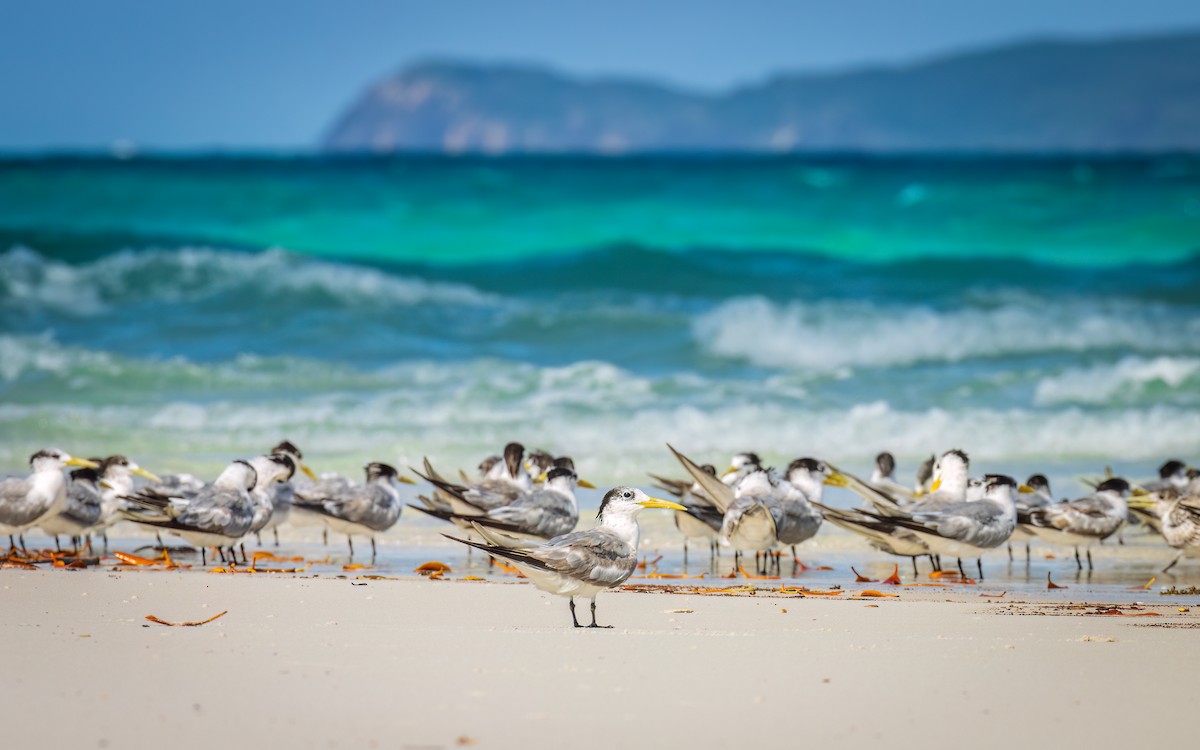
1034 311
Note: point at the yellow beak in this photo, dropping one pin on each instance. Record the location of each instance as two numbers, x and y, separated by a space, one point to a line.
1139 492
405 480
936 484
308 472
540 478
654 502
72 461
586 483
837 479
145 474
731 470
1026 489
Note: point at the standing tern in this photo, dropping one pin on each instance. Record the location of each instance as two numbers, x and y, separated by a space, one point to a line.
25 501
282 494
1086 520
966 529
1178 515
582 563
216 515
80 512
360 509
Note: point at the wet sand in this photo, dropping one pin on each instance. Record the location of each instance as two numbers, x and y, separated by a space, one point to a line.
413 663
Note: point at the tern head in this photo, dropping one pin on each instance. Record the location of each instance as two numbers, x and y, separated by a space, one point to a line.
629 501
52 459
1036 484
885 465
377 472
513 454
289 449
951 470
278 468
742 461
1174 473
808 475
1117 486
120 466
239 475
999 487
539 462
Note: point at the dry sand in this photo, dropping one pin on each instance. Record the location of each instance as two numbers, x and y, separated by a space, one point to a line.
308 662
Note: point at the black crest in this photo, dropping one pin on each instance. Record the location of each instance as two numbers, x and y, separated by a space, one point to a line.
1116 484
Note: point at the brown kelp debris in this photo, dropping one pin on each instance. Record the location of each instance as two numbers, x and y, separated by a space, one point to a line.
152 618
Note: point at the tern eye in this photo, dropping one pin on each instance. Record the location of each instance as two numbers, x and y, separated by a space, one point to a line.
628 494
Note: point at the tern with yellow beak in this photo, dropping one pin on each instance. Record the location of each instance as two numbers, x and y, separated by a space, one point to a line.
25 501
582 563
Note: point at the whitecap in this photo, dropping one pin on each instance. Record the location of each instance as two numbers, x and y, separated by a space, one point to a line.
1126 381
827 336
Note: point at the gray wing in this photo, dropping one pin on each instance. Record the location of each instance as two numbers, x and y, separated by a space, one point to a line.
796 521
12 501
492 494
596 556
369 505
540 513
225 512
1087 515
83 504
981 524
1181 524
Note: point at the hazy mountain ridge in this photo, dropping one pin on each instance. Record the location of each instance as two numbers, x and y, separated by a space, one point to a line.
1123 94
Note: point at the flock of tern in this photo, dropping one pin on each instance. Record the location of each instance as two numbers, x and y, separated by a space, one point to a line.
521 507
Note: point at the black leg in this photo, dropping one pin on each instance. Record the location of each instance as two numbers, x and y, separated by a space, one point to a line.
244 558
1010 557
961 572
575 620
685 552
104 536
915 573
1078 562
1089 551
221 554
275 531
325 537
350 541
979 564
1177 559
594 625
203 556
372 549
1026 554
57 546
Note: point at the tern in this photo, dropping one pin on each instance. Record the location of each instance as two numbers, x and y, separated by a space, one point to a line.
542 513
282 494
582 563
1035 493
965 529
1178 515
1086 520
25 501
216 515
359 509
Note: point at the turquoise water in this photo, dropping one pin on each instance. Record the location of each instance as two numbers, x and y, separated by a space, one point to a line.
1037 312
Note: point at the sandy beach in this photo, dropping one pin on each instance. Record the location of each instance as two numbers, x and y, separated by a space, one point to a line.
414 663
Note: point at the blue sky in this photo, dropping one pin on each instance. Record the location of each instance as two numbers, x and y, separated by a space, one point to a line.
226 74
